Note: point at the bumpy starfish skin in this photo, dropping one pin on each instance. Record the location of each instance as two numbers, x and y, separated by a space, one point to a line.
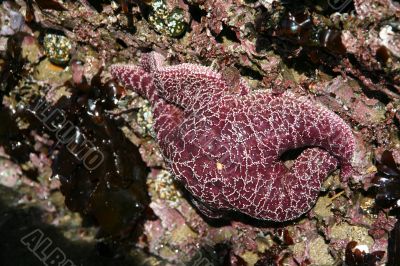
224 144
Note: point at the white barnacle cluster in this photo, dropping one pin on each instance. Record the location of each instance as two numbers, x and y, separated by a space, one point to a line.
169 22
144 118
162 186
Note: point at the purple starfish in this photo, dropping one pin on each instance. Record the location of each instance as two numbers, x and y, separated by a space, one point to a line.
224 142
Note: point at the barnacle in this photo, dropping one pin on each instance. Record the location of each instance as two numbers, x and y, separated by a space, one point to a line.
171 23
57 48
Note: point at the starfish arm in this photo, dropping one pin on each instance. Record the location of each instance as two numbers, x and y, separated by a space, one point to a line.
135 78
167 117
188 85
299 122
167 121
296 191
152 62
305 178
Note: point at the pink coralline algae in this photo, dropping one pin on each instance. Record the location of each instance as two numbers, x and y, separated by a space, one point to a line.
224 142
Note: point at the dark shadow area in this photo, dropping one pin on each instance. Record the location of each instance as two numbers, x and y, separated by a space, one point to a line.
292 154
394 245
196 12
248 72
15 223
228 33
16 142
